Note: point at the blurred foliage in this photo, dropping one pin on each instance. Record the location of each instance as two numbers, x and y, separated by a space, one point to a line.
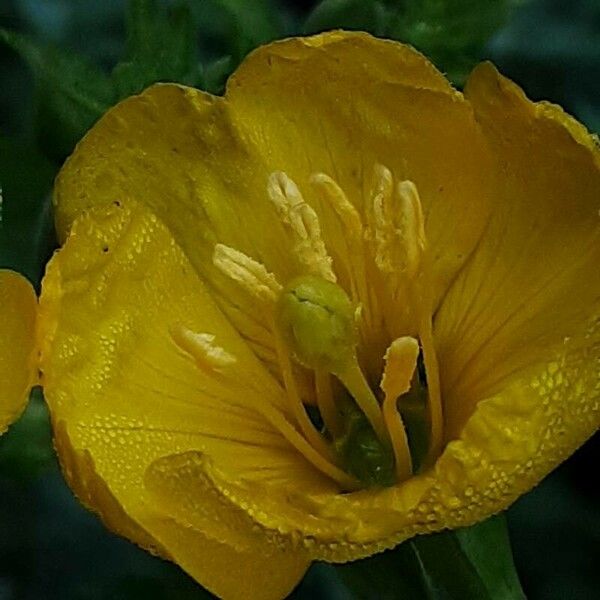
27 448
452 33
83 56
362 15
72 93
160 47
26 228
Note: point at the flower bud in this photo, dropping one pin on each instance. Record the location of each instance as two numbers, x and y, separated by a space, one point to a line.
316 320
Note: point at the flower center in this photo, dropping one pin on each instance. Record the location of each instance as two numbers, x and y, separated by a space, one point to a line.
351 319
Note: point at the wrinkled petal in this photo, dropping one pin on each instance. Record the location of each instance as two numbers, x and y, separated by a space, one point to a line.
532 284
177 151
182 486
122 394
18 368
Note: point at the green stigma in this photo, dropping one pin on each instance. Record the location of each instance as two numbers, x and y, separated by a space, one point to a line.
316 318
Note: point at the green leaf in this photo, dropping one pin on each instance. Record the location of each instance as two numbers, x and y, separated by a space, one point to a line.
71 93
365 15
161 46
26 227
474 562
452 33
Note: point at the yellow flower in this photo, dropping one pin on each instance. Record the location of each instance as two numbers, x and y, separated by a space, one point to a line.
18 360
342 239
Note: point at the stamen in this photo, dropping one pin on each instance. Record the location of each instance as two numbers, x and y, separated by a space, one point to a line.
295 402
351 232
252 275
400 363
354 381
396 224
381 230
434 403
345 480
343 207
202 348
326 404
303 223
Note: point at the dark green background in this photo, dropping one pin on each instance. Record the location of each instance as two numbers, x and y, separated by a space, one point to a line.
50 548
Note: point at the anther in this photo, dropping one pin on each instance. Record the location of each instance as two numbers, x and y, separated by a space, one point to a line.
303 225
413 225
202 348
396 225
380 219
336 198
400 363
250 274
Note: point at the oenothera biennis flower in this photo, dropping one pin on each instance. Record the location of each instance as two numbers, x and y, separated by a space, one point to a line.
342 305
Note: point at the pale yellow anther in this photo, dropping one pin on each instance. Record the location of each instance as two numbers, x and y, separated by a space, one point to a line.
303 225
335 196
250 274
395 225
400 363
413 225
381 229
202 348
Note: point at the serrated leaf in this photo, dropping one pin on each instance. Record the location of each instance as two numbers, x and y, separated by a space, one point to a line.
474 562
71 93
160 47
364 15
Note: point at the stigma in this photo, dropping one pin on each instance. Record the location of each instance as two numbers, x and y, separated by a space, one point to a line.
349 331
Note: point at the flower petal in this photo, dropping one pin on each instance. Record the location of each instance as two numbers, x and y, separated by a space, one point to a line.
18 368
182 486
122 394
177 151
383 103
532 283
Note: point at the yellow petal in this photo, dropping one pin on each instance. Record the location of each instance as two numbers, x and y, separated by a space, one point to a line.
18 360
533 282
177 151
182 486
383 103
123 394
